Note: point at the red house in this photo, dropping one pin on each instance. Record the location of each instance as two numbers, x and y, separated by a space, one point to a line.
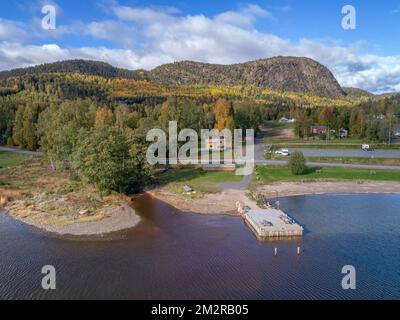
317 130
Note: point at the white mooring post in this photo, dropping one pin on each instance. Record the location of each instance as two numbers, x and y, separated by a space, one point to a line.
298 250
276 251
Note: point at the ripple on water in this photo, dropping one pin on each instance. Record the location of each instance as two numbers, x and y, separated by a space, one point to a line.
172 255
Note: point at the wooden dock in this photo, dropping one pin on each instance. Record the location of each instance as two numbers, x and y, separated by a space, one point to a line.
272 224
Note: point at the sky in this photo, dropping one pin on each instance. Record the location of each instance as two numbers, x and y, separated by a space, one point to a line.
144 34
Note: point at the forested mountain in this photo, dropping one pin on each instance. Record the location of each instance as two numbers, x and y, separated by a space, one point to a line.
87 67
289 74
357 93
286 74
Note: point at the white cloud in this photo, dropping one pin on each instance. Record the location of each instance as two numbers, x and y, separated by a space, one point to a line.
147 37
246 17
10 30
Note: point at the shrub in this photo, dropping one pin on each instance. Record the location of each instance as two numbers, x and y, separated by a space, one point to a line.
297 163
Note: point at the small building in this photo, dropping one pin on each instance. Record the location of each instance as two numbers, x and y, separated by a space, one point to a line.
318 130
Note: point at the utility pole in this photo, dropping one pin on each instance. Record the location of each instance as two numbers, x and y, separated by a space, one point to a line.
391 115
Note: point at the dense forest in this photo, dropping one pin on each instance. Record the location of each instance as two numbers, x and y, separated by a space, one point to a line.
95 126
87 67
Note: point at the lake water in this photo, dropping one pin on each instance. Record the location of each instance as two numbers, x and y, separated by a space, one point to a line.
172 255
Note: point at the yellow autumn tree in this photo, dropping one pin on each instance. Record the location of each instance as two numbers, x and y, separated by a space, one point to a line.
104 117
223 112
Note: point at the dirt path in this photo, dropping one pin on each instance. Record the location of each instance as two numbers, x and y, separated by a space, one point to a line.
13 150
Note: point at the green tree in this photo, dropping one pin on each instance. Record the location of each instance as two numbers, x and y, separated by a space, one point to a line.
106 159
102 159
302 124
297 163
60 127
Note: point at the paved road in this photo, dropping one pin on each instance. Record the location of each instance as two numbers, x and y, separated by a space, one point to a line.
259 159
260 148
13 150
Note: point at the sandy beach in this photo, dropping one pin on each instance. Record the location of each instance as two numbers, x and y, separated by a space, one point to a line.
286 189
224 203
118 218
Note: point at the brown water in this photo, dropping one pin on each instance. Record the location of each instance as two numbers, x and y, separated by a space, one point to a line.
173 255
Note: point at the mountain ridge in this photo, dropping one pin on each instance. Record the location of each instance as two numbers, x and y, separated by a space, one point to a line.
287 74
88 67
292 74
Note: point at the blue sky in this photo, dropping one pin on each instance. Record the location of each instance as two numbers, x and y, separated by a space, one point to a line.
144 34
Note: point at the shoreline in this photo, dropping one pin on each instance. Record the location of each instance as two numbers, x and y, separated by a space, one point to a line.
119 218
124 217
224 203
291 189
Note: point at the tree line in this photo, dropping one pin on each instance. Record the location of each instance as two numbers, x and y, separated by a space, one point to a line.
375 120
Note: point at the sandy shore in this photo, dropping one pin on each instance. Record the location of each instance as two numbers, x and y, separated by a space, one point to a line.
225 202
118 218
286 189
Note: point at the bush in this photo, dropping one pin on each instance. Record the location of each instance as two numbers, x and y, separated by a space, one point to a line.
323 136
297 163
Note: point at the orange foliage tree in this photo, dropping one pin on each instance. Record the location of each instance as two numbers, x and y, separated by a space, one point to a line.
223 112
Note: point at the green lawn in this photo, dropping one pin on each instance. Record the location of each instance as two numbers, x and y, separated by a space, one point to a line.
356 160
201 181
345 160
271 174
9 159
279 125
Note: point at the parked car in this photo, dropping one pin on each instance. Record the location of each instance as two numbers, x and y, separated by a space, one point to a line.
283 152
367 147
397 134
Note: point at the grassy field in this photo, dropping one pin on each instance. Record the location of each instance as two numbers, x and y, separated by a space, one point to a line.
356 160
345 160
30 189
279 125
271 174
201 181
9 160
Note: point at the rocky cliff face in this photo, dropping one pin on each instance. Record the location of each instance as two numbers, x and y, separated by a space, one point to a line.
293 74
